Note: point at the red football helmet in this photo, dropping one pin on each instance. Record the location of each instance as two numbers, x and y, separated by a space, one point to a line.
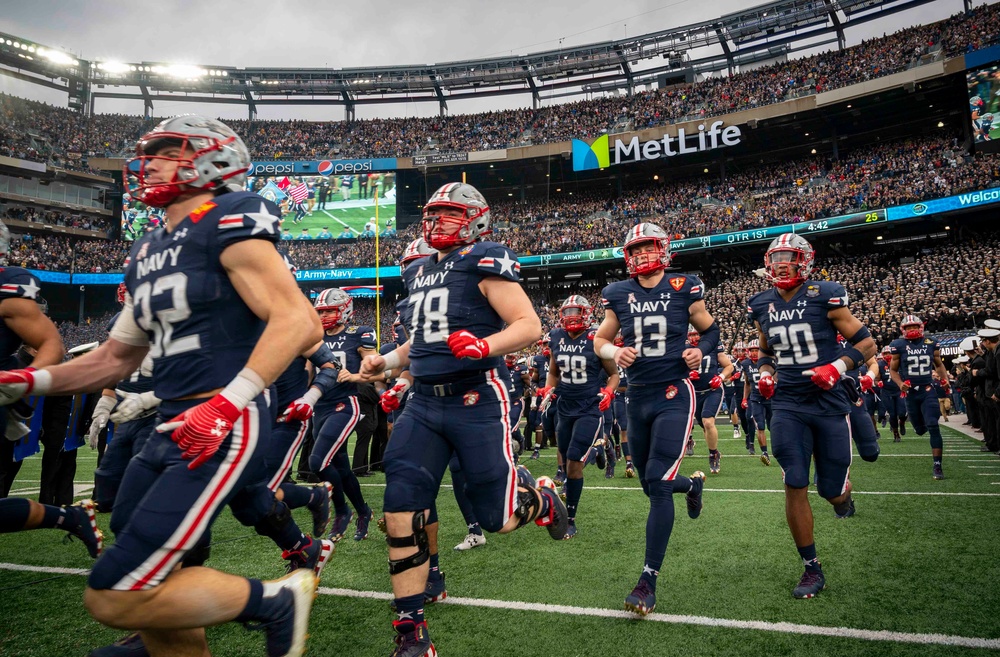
753 351
619 340
339 303
544 344
575 313
211 157
646 263
739 350
445 231
694 337
912 327
510 360
789 249
886 354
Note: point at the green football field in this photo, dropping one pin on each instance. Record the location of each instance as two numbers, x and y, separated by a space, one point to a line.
913 573
334 219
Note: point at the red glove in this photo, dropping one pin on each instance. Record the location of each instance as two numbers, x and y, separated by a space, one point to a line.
736 376
866 382
880 384
743 404
300 410
694 376
905 388
15 384
607 396
716 382
766 385
201 429
389 401
465 345
544 390
825 376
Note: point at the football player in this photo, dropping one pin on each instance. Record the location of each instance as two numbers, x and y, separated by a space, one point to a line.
621 413
860 384
211 299
334 401
732 392
538 421
756 408
575 367
520 380
653 309
892 397
713 369
916 357
460 300
797 321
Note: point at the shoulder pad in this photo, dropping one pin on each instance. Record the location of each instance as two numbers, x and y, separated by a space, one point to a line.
16 282
239 215
495 260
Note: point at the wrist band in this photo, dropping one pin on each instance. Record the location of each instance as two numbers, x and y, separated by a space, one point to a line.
392 360
608 351
244 388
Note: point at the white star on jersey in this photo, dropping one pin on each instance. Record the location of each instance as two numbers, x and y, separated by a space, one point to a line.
263 221
506 264
30 290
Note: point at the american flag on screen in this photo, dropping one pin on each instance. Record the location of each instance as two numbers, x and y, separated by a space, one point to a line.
299 192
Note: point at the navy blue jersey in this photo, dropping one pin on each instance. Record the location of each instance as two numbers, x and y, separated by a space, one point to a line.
518 383
654 322
15 283
200 331
751 373
708 368
622 380
916 359
292 383
540 364
888 385
140 380
578 366
802 337
858 370
344 346
445 298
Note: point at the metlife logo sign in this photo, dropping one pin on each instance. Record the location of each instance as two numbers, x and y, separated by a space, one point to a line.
593 156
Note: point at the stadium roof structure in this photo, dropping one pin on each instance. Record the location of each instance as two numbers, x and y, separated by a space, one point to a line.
756 34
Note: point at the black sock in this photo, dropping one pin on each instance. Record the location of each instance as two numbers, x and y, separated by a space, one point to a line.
58 517
296 497
809 559
474 528
411 608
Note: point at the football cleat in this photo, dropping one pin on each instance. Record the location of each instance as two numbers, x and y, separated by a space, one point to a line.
642 599
938 472
609 472
629 470
435 589
883 421
902 427
363 521
850 511
896 438
341 522
689 448
86 529
320 510
764 458
560 477
694 501
286 630
618 452
812 582
557 519
736 433
412 640
715 462
751 450
570 531
562 492
535 455
313 555
129 646
471 541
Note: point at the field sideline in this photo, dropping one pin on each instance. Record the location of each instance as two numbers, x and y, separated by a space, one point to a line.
910 574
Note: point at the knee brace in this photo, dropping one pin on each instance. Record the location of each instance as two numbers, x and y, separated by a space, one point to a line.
528 504
418 540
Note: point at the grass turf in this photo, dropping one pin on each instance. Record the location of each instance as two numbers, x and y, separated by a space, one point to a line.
904 563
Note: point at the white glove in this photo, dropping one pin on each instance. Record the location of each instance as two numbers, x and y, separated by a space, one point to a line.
99 419
132 405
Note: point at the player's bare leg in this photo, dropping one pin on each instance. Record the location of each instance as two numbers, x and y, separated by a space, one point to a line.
799 515
762 441
629 468
712 440
176 643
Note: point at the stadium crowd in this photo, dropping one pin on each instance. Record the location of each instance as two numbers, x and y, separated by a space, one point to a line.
36 131
55 217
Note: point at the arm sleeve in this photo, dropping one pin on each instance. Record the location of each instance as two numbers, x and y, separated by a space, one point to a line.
126 330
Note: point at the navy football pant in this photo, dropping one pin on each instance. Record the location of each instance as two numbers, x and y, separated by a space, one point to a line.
707 404
474 425
126 441
575 435
799 436
924 412
660 418
864 434
621 411
329 458
760 415
896 406
164 510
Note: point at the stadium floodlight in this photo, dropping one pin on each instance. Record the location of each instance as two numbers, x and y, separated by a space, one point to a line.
61 58
183 71
115 67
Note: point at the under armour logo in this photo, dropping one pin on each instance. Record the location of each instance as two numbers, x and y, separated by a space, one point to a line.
180 234
801 304
449 265
664 295
218 429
